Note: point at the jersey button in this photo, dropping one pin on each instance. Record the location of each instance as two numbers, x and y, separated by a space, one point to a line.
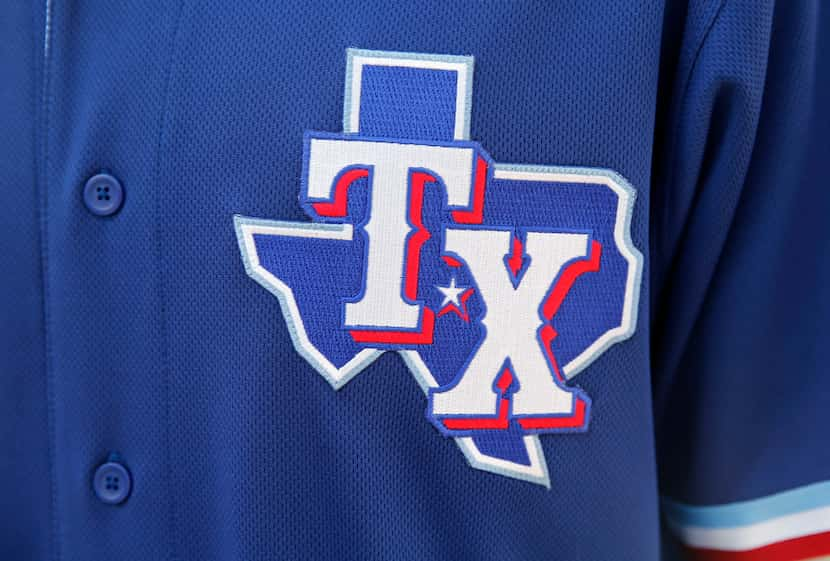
112 483
103 194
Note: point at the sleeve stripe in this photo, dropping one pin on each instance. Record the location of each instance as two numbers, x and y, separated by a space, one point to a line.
743 513
815 547
788 526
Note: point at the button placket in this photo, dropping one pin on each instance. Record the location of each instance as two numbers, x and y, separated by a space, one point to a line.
103 194
112 482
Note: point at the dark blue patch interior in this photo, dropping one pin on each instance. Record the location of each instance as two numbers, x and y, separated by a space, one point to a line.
411 103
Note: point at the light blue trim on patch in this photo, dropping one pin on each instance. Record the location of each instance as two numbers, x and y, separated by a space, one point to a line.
534 452
627 196
537 472
475 458
467 61
816 495
337 377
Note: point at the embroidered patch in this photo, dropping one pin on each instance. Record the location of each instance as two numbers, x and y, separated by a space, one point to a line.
495 283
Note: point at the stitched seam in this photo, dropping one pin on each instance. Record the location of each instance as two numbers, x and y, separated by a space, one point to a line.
42 144
718 263
165 360
682 103
658 394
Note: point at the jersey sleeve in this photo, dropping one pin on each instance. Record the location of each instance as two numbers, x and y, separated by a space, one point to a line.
741 270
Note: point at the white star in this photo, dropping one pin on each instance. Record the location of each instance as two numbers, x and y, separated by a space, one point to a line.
451 293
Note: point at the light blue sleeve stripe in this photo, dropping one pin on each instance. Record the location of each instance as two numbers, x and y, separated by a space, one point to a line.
743 513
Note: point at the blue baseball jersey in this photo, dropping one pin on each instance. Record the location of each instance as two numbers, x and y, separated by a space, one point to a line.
414 280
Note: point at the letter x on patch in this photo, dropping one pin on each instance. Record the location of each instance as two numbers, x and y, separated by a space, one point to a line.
495 283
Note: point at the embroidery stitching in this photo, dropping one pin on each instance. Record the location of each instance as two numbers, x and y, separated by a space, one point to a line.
377 234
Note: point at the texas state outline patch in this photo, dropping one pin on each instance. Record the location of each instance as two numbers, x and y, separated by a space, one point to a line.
496 283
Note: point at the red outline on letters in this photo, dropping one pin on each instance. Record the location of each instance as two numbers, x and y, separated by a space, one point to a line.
499 422
462 312
476 214
422 337
338 206
417 240
451 261
550 306
516 259
412 266
567 279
